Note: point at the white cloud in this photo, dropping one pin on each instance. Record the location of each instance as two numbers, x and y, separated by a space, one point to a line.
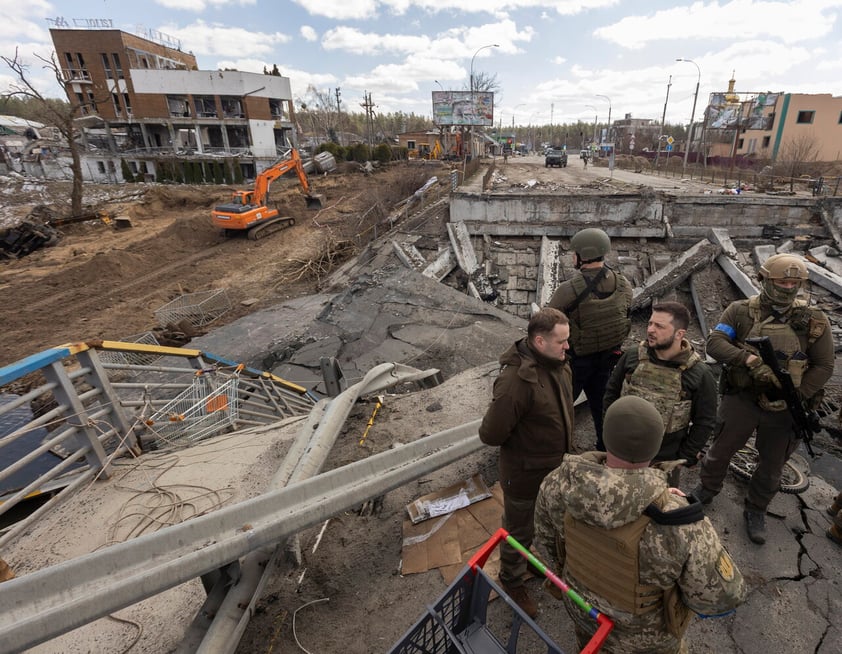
308 33
215 39
340 9
201 5
790 22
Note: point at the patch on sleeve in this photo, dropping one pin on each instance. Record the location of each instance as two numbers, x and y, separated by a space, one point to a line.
725 566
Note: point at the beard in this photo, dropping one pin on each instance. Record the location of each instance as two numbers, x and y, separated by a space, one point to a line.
661 345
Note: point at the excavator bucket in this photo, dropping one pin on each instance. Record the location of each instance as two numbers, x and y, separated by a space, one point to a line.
314 201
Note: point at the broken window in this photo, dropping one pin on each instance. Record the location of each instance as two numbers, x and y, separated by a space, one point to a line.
106 64
178 106
232 108
115 99
205 106
276 108
118 68
766 141
805 117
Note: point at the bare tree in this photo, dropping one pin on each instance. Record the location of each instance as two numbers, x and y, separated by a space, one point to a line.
795 156
61 115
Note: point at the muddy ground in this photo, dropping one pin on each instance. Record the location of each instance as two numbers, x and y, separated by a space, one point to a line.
102 282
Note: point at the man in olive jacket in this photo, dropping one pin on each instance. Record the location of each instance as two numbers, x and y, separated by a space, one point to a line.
531 419
665 370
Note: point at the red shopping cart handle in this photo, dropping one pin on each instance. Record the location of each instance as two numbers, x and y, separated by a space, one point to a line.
604 623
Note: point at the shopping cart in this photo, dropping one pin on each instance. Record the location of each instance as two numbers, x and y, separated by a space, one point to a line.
205 409
457 622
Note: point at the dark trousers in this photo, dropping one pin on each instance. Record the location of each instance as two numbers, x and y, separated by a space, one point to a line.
518 520
590 374
775 441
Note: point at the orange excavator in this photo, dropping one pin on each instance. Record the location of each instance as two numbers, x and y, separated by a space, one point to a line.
249 212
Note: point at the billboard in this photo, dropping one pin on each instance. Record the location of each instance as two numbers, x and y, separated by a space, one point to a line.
751 111
463 108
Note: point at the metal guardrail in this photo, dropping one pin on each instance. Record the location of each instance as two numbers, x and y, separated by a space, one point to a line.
45 604
42 605
90 410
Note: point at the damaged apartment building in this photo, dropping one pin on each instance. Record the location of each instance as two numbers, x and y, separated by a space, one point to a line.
145 103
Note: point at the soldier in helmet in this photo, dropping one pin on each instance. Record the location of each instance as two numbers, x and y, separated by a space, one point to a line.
802 340
596 300
635 549
667 371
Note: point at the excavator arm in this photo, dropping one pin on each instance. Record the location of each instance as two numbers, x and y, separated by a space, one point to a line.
278 169
249 210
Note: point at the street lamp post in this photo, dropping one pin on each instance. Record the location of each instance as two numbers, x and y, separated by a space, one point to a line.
693 112
439 83
491 45
473 101
608 129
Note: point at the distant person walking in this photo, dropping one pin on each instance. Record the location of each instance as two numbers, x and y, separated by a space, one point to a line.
531 419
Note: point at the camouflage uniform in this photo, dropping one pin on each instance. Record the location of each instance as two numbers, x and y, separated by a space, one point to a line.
688 556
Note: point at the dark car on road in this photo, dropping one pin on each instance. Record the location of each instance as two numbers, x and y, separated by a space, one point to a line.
555 158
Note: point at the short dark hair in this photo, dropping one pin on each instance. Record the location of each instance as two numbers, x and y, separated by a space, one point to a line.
680 314
544 321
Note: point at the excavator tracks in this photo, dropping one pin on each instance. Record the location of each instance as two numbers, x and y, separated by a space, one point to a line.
270 227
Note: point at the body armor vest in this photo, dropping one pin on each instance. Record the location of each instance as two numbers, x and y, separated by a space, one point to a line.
606 562
785 338
661 385
599 324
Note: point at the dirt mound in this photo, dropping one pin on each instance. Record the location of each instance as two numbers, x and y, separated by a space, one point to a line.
105 268
191 232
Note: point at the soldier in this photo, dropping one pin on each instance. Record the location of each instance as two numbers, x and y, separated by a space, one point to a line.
596 300
531 418
631 546
666 370
835 511
802 340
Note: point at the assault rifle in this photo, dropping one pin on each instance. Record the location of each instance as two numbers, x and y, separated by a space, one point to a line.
806 420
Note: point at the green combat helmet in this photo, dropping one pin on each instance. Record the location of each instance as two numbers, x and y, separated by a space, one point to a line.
590 244
780 267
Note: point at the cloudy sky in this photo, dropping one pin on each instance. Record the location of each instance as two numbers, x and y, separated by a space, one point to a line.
555 60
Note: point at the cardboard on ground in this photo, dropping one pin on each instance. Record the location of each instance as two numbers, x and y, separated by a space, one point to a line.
447 541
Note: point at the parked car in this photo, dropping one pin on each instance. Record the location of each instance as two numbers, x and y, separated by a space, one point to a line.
555 158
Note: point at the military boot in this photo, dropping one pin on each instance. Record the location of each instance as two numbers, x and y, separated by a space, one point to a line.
704 495
756 525
835 534
521 597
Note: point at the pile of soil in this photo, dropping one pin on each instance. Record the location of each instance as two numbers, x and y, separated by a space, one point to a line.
103 282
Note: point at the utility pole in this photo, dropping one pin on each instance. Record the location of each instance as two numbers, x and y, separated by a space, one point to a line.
368 105
338 115
663 118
